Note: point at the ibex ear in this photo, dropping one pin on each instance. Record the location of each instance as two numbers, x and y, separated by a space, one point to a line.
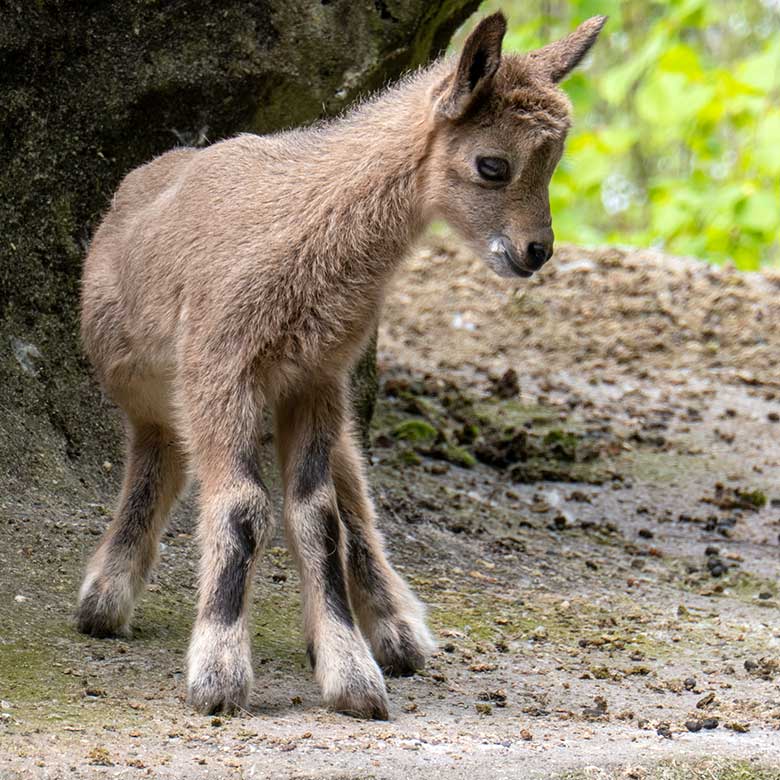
477 65
557 60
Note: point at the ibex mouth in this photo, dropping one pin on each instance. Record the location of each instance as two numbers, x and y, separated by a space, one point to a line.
504 250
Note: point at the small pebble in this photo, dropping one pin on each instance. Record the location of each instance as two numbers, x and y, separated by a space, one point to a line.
539 633
705 701
497 697
716 566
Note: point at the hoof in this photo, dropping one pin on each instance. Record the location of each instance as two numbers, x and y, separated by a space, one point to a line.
220 675
400 648
361 697
212 693
352 683
103 611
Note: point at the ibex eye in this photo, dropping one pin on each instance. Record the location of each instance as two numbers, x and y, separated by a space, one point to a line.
493 168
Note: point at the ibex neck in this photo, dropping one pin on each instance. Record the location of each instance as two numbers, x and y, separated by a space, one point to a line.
376 156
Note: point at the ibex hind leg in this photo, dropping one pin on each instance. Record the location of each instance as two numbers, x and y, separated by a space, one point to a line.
117 572
390 616
350 679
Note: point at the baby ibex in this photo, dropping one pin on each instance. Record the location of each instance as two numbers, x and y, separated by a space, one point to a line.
249 275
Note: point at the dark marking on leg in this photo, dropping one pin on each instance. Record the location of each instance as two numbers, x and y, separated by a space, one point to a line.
314 470
312 654
404 658
333 569
363 569
249 467
137 509
225 603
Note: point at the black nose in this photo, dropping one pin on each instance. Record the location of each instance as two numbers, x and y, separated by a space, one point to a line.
538 254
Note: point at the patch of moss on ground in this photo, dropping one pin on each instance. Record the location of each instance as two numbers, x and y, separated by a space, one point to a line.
452 453
163 619
481 617
529 441
662 467
278 626
415 430
715 769
545 470
746 587
39 683
31 672
516 414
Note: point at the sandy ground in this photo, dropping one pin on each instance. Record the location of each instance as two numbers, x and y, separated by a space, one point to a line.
596 539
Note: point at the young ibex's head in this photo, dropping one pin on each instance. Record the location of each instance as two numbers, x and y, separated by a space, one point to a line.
499 129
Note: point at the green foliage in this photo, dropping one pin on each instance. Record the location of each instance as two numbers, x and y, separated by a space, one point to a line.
676 141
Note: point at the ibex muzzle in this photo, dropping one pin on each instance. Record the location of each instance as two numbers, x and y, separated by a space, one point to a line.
506 260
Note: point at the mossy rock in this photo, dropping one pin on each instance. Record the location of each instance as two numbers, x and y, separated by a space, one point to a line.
415 430
561 445
452 453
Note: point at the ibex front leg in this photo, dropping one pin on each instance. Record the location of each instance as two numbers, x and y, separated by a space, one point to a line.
308 426
235 525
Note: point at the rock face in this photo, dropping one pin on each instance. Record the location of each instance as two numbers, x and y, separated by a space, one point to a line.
88 91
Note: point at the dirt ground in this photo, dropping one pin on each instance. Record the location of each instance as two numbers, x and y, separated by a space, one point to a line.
580 476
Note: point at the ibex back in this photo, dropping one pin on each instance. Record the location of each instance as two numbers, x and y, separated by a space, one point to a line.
248 275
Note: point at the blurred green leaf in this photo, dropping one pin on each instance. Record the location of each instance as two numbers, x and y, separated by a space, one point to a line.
671 99
760 212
